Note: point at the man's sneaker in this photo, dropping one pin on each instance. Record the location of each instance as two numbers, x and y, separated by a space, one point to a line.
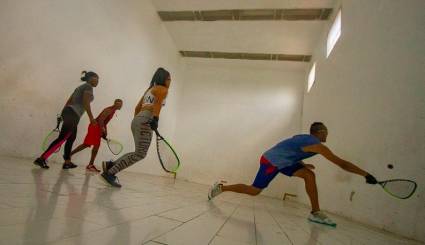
69 165
106 165
111 179
41 162
215 190
321 218
92 168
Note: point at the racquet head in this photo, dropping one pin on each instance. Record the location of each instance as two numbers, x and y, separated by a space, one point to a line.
167 156
114 146
399 188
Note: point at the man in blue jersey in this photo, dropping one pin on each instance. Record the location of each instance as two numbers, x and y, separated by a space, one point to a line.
286 158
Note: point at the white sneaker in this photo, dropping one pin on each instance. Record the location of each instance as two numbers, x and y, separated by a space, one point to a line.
215 190
321 218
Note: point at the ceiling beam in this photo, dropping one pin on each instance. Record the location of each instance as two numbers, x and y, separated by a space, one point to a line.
245 56
247 14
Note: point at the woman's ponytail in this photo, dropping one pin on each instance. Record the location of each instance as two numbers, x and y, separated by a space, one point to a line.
83 76
86 76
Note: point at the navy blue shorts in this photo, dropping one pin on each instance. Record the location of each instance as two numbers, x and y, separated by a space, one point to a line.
267 172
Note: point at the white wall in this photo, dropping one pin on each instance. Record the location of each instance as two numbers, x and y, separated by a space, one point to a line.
45 45
371 94
231 112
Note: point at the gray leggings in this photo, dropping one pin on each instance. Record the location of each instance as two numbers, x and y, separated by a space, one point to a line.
142 134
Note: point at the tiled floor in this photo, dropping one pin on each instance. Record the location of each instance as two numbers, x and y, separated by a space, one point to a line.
71 207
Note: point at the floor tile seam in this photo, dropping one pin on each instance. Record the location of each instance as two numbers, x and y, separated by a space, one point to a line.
280 227
102 228
202 213
225 221
154 239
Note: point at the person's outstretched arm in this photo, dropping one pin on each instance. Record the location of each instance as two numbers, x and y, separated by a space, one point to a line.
346 165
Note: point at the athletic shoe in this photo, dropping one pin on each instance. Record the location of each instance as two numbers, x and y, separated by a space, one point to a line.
111 179
106 165
69 165
92 168
41 162
321 218
215 190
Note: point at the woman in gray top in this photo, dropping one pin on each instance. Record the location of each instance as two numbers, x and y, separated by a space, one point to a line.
77 104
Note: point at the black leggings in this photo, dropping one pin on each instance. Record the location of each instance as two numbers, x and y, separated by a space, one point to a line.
68 133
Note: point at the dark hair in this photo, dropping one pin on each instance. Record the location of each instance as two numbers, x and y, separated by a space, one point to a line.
86 76
316 127
159 77
118 100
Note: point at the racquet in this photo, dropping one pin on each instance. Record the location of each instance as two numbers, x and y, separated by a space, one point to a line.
51 136
114 146
167 156
399 188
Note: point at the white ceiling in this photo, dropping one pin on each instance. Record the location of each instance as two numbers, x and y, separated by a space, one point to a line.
286 37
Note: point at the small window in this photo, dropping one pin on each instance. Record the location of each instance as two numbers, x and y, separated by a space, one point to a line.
334 34
311 77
